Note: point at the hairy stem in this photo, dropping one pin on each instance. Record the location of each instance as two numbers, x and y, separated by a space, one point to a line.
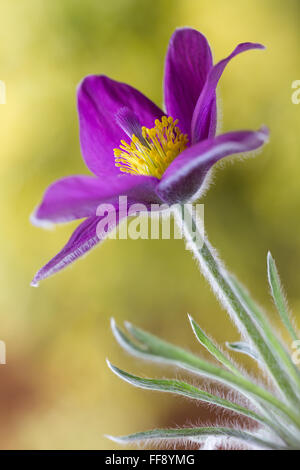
220 281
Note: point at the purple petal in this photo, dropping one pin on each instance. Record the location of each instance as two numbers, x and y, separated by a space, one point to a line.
188 62
88 234
204 117
184 178
83 239
99 100
77 197
129 122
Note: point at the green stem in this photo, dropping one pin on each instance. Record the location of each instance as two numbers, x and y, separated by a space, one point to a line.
282 355
157 349
278 296
197 434
220 282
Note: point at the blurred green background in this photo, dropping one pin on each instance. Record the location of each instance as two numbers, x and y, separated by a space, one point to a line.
55 390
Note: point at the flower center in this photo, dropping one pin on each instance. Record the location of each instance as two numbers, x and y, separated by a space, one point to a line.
153 151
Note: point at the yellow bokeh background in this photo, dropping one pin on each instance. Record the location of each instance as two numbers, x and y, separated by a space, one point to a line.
56 391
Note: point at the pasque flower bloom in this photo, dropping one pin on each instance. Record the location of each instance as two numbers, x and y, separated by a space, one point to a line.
135 149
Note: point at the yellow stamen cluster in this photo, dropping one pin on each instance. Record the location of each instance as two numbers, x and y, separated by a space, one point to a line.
152 153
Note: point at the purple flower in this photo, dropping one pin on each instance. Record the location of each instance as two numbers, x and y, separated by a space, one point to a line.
136 150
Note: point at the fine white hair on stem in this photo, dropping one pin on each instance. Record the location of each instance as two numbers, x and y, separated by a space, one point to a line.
226 291
212 282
